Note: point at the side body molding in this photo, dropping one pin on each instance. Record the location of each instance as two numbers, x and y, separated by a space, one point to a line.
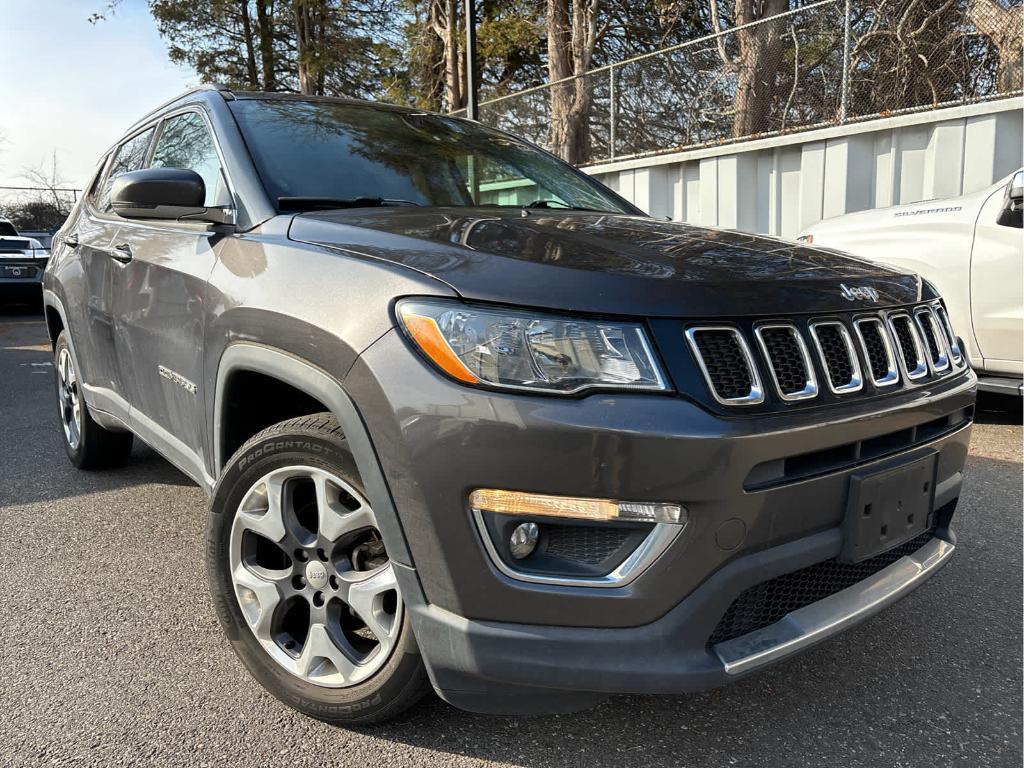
316 383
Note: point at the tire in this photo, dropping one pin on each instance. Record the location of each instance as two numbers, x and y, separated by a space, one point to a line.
88 445
311 655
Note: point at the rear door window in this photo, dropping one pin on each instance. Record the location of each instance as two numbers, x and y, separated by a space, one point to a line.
130 156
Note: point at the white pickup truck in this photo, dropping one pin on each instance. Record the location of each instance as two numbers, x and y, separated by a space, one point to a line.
22 261
972 249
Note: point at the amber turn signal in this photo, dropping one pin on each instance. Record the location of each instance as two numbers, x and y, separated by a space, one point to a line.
539 504
427 335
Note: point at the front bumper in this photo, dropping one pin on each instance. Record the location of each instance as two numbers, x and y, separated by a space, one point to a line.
478 628
500 668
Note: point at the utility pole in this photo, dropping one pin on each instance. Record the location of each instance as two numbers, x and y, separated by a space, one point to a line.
472 111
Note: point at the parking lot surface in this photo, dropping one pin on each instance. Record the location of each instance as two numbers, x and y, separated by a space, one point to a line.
111 654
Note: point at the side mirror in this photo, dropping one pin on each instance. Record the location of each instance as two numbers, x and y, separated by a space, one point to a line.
1012 212
164 193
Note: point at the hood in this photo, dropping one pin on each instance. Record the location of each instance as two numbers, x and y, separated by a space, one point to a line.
606 263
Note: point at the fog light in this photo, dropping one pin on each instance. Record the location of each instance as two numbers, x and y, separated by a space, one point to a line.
517 503
523 540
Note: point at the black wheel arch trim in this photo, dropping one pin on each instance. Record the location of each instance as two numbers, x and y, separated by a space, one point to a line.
52 301
245 356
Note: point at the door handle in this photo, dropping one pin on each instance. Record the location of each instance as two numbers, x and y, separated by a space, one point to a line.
71 239
121 252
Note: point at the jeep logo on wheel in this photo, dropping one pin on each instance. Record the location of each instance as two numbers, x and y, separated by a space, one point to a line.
316 575
862 292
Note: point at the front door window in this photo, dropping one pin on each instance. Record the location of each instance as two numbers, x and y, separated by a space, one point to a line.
185 142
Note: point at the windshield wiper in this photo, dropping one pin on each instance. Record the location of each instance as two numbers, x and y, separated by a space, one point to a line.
560 206
333 203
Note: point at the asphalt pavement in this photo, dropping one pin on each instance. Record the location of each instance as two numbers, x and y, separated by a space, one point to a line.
110 653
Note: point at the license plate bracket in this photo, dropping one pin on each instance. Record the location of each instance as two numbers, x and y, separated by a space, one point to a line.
887 506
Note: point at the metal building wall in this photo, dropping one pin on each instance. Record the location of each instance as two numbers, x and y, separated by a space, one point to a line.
780 185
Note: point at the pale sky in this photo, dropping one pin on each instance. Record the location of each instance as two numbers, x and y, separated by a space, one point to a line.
73 86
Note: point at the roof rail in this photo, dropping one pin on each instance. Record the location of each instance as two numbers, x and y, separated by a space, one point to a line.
223 90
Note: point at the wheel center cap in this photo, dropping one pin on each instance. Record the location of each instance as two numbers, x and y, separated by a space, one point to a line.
316 574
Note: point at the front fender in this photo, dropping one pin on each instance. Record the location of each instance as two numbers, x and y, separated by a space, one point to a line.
316 383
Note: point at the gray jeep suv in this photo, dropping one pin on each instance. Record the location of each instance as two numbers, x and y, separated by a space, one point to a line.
470 420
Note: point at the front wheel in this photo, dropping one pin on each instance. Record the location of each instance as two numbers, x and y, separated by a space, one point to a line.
301 581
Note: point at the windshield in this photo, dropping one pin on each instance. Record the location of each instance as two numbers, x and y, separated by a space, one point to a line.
7 229
368 155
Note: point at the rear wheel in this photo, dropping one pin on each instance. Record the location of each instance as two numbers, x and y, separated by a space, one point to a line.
88 445
302 582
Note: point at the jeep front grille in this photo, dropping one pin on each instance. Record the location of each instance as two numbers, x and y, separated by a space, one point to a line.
877 351
838 356
728 366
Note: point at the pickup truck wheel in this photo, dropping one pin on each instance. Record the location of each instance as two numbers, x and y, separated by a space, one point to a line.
301 581
88 445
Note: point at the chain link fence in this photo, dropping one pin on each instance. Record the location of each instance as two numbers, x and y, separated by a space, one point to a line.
37 211
826 63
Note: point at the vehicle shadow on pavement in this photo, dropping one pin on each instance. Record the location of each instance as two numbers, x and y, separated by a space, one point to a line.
51 476
35 465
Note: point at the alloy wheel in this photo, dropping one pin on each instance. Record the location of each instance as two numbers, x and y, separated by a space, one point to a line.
312 578
68 398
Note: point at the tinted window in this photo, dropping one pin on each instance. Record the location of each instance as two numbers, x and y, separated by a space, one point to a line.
130 156
7 229
339 150
185 142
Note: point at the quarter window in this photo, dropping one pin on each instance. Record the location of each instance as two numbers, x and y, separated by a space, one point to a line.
131 156
185 142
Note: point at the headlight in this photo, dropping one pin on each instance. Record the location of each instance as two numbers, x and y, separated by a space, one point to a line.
523 350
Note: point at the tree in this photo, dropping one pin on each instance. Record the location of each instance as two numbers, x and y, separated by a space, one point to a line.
48 205
335 47
572 35
35 215
443 19
756 63
764 74
239 43
51 183
418 66
511 39
1002 26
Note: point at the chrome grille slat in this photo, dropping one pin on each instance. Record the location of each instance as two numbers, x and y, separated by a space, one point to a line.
838 356
955 353
789 361
718 348
935 345
908 345
874 341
